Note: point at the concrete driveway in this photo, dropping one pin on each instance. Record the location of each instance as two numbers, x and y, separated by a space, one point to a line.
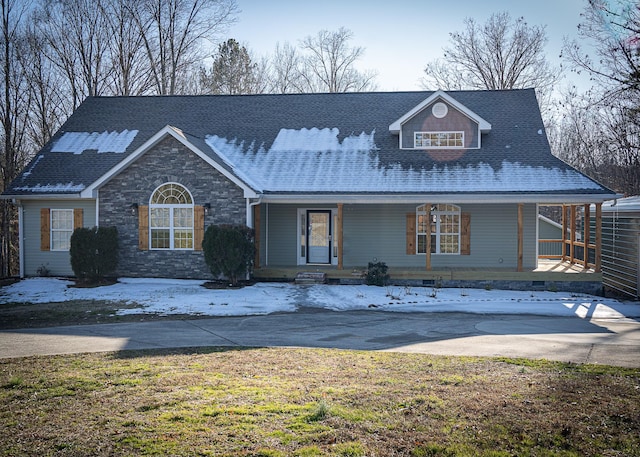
568 339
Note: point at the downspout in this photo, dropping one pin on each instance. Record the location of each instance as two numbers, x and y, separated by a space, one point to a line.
98 211
250 219
537 234
266 235
20 237
250 211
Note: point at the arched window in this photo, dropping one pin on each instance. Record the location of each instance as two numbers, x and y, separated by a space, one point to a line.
171 217
444 228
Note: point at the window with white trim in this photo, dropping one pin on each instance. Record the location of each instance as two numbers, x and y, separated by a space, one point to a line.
61 229
442 222
171 217
438 140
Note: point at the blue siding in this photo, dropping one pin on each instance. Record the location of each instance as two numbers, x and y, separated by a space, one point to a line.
56 262
378 233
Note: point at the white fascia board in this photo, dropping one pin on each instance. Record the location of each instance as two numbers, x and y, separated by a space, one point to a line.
439 198
43 196
483 125
91 190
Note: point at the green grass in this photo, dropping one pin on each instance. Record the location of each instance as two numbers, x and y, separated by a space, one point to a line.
308 403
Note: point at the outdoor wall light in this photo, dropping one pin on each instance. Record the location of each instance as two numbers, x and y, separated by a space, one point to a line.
133 208
207 208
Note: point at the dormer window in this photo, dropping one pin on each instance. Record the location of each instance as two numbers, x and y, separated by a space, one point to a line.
444 140
440 122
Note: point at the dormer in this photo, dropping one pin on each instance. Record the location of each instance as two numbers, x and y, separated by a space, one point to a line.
440 123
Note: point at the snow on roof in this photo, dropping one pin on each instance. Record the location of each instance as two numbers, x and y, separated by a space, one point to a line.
325 140
305 160
33 165
78 142
53 188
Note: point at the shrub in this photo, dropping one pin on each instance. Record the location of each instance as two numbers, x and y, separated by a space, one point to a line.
43 271
229 251
377 274
94 252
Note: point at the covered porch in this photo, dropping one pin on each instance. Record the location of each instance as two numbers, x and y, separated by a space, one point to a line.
570 261
552 275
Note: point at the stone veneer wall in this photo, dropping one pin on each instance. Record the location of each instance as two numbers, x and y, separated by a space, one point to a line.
168 161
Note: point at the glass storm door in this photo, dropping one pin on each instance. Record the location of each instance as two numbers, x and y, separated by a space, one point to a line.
319 236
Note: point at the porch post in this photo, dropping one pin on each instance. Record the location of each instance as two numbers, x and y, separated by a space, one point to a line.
256 228
572 235
428 248
564 233
598 237
339 233
586 235
520 235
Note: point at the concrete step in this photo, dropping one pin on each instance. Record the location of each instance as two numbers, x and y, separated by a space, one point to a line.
310 277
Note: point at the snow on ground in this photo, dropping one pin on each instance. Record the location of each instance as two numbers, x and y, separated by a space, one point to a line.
171 296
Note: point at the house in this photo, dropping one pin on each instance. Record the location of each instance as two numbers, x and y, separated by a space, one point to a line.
621 246
428 182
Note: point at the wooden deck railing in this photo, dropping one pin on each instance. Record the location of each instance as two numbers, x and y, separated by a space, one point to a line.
550 249
581 241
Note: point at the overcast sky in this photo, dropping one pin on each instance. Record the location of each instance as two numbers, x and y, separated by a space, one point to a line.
399 36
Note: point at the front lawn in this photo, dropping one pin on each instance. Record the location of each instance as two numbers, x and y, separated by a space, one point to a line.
313 402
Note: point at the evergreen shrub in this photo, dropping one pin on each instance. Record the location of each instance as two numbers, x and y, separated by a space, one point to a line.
94 253
377 274
229 250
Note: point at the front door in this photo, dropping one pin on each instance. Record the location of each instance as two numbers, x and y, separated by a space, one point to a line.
319 236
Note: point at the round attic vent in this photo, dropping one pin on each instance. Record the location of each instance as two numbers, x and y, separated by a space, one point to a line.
439 110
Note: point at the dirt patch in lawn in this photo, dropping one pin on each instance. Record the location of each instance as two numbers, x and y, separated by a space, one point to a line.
74 312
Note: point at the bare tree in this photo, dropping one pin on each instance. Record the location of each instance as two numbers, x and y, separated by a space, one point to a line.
613 28
501 54
14 104
575 135
611 108
328 64
131 73
173 31
77 38
285 69
599 140
48 102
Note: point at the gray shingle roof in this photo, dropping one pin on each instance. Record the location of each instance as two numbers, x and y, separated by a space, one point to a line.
515 155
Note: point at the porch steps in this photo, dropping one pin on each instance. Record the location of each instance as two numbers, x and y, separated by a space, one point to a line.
310 277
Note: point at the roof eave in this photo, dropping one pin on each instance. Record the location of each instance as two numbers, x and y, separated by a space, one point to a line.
47 196
543 199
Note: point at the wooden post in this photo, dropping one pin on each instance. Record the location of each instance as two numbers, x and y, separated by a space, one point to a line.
428 248
143 228
586 235
572 235
339 233
564 232
256 228
520 235
598 237
198 227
